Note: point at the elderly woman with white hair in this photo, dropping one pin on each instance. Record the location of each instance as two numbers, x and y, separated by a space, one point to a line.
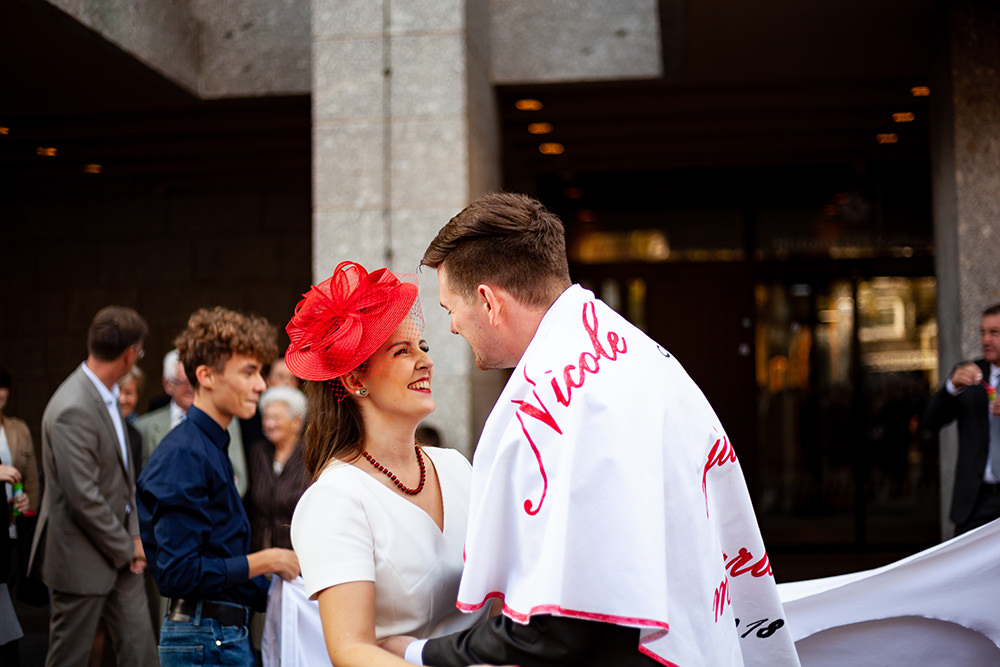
278 475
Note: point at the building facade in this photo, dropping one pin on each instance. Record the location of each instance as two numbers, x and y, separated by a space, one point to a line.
797 200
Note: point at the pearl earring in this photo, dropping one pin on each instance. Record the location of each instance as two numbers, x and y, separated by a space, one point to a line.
361 392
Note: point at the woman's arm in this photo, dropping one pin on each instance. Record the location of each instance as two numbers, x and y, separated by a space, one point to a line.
347 612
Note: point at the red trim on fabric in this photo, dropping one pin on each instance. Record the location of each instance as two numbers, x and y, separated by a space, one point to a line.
663 661
560 611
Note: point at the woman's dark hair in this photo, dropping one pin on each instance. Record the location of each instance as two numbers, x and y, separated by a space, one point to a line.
334 428
4 378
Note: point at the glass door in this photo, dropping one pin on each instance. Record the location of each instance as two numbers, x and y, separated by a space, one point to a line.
843 369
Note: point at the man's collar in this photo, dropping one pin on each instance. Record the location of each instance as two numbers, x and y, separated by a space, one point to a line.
216 433
109 396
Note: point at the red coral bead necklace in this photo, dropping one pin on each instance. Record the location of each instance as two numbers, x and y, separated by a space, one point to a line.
395 480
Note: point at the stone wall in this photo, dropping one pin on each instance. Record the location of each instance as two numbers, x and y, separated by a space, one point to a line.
213 48
589 40
966 161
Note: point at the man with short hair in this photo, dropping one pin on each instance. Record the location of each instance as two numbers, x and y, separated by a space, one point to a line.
969 396
194 527
157 423
87 547
609 513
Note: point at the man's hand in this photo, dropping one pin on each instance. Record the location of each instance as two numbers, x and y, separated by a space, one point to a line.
138 563
286 564
396 645
966 375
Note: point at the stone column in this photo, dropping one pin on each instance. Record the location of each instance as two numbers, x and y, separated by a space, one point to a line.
966 173
404 136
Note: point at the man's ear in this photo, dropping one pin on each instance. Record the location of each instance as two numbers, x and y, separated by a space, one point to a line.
493 301
205 376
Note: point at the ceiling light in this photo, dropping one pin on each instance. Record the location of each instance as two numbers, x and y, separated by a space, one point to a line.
904 117
920 91
887 138
540 128
4 130
528 104
91 168
46 151
551 148
573 192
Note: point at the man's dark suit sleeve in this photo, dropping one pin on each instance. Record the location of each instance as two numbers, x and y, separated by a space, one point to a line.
546 641
941 410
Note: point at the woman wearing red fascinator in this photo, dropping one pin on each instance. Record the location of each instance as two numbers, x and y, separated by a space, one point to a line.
380 532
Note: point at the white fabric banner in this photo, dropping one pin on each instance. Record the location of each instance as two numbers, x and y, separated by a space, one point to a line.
940 607
293 632
604 487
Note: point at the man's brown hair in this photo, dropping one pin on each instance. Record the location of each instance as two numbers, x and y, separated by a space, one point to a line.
213 336
504 239
113 330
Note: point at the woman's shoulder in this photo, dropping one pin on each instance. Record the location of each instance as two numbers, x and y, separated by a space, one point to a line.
13 423
336 479
18 434
336 493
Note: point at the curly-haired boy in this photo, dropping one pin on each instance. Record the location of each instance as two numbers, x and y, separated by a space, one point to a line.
193 525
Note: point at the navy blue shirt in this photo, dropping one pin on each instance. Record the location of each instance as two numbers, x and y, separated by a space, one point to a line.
194 529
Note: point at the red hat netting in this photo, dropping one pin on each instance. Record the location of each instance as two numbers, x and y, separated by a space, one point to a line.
342 321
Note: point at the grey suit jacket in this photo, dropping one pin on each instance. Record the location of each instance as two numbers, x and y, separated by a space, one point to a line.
88 517
156 424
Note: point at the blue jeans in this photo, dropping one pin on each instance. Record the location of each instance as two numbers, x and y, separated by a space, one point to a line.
203 641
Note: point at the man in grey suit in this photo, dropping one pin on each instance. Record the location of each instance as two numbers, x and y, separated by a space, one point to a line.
87 547
157 423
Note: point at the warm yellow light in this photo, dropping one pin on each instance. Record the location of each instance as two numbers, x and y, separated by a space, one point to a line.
903 117
91 168
4 130
540 128
920 91
887 138
551 148
528 104
46 151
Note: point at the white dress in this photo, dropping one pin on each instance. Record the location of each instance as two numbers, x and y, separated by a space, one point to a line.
348 526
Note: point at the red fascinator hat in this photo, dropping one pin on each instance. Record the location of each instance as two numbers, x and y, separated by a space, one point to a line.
342 321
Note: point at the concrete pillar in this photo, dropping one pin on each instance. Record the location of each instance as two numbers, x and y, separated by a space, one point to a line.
404 136
966 172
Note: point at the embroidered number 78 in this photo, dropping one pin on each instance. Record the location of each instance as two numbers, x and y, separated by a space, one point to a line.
765 632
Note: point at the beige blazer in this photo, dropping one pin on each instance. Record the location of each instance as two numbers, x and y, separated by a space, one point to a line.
88 519
23 454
